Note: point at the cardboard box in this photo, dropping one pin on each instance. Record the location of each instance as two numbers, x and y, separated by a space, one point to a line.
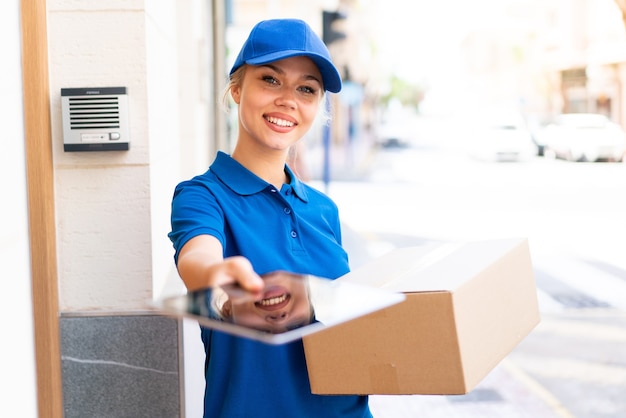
468 305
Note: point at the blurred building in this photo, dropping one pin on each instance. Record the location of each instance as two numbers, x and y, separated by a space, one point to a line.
587 51
551 56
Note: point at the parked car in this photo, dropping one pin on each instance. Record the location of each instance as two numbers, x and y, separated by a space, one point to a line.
394 130
392 134
501 136
584 137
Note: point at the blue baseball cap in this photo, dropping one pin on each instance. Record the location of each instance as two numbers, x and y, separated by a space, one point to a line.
277 39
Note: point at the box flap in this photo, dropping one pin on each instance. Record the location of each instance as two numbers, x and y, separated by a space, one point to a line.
423 269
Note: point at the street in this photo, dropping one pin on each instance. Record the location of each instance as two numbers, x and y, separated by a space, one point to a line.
574 215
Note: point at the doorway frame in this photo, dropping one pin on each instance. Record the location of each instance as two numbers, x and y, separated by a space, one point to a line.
41 210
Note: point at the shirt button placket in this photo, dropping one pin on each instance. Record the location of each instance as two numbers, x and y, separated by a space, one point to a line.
287 211
293 233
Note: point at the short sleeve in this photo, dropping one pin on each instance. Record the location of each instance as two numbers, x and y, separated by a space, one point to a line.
195 211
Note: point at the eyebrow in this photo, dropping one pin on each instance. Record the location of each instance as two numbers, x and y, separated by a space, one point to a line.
282 72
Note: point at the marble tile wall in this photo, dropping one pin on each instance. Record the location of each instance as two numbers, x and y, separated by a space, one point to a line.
122 365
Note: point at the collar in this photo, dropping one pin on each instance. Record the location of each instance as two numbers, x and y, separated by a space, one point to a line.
244 182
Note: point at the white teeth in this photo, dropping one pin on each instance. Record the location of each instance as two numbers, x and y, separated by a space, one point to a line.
273 301
279 122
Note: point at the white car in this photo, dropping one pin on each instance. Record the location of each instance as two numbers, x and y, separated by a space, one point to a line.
584 137
501 136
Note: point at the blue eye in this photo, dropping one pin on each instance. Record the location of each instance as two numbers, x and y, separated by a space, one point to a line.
308 90
269 79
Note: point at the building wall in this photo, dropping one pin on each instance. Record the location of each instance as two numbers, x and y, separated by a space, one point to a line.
104 219
17 359
586 52
113 207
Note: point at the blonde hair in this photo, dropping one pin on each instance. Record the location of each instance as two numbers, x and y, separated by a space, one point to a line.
235 79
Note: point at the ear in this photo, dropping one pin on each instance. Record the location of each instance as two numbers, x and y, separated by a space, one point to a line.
235 93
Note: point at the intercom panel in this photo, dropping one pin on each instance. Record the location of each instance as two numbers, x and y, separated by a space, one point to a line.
95 119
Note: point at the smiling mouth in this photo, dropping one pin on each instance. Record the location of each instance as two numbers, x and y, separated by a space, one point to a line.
274 302
280 122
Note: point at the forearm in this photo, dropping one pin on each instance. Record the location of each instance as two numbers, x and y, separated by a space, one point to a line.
201 265
195 269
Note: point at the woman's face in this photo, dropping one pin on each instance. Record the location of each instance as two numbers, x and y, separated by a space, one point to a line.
278 102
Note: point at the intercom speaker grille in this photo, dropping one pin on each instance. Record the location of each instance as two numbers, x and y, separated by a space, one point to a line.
94 112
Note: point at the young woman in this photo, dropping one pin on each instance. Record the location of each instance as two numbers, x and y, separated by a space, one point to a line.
249 215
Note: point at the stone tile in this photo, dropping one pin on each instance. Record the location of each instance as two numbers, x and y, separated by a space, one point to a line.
120 366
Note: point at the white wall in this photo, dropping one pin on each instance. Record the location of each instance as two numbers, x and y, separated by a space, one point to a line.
17 359
163 130
113 207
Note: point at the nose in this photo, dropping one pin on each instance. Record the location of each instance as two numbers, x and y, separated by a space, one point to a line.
276 317
286 99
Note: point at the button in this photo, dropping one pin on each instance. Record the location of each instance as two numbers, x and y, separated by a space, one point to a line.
114 136
287 211
293 234
273 190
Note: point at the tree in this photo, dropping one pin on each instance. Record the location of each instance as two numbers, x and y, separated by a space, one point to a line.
407 93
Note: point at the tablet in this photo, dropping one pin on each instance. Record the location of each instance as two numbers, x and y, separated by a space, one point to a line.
290 306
